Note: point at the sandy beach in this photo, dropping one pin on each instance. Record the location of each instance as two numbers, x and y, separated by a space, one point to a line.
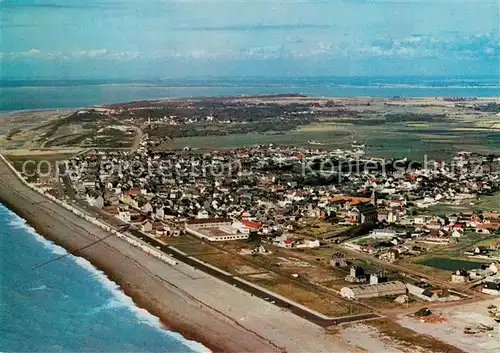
458 318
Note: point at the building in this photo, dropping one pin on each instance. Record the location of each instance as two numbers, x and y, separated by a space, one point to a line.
147 226
379 277
431 294
251 225
216 234
363 213
96 202
390 256
124 216
491 285
356 275
338 260
422 293
382 233
307 243
460 276
373 290
208 222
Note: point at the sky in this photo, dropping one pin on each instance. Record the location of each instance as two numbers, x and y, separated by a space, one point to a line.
165 39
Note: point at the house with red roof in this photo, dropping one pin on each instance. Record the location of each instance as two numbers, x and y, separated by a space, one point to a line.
252 225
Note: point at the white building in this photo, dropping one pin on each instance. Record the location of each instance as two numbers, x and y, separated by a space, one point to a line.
124 216
308 244
208 222
222 236
491 285
373 290
383 233
147 226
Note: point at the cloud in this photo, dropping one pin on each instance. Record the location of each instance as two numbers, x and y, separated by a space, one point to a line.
256 27
454 46
92 53
32 52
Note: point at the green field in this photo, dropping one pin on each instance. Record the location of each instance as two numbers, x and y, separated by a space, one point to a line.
445 209
394 139
489 202
450 264
294 137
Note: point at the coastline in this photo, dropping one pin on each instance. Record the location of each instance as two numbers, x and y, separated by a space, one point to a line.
194 304
138 299
65 302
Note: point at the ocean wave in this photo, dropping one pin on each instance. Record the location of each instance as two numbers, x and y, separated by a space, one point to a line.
16 222
38 288
122 300
110 305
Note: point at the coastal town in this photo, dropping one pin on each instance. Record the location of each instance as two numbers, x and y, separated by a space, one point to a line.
250 176
260 198
333 235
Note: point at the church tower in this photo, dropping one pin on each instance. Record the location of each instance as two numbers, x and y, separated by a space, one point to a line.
373 198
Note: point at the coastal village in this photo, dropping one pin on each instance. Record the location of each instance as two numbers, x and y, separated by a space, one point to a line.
269 197
334 235
250 176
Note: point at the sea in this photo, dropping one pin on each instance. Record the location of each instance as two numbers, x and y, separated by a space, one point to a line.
68 305
16 94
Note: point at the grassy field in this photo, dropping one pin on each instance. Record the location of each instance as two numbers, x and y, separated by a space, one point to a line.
43 164
489 202
294 137
437 140
231 264
445 209
483 203
306 297
195 248
467 242
319 228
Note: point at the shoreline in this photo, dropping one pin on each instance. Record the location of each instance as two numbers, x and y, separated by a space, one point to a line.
290 94
138 299
166 323
102 280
